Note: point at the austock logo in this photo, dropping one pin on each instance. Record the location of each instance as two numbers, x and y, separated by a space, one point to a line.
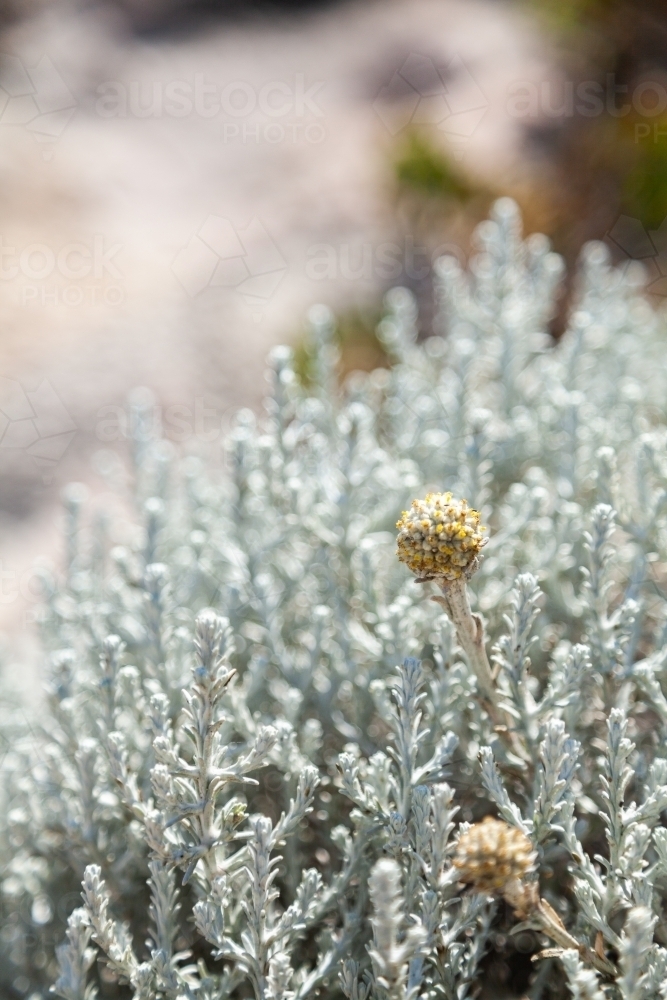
35 98
35 422
630 237
420 93
71 274
277 111
219 255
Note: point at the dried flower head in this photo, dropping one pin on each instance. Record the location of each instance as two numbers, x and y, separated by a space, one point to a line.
440 537
493 856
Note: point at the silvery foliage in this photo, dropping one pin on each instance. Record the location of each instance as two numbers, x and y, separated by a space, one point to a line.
254 798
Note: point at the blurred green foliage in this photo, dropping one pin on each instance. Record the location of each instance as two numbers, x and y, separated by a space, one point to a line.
644 192
568 15
595 169
355 338
426 169
622 41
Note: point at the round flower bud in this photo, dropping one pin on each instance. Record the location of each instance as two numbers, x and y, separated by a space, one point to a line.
440 538
493 856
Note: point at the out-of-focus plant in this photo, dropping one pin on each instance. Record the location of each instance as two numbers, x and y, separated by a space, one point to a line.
424 168
234 790
354 341
598 125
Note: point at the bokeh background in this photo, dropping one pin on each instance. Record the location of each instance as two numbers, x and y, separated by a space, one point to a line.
180 180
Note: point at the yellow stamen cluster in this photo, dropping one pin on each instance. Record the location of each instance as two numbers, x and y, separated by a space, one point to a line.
440 537
493 856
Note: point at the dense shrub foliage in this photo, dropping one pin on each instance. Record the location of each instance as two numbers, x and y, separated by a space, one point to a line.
267 755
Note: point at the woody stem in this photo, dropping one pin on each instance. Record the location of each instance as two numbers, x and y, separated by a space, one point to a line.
471 637
553 926
470 633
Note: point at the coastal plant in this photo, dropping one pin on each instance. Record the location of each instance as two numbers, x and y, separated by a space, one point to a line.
268 764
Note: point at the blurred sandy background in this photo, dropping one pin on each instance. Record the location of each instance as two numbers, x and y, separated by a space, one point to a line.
172 202
178 185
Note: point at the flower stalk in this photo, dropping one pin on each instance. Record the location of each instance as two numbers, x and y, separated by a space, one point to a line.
440 539
470 634
499 859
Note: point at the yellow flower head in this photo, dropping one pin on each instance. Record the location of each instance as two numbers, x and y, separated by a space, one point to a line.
493 856
440 538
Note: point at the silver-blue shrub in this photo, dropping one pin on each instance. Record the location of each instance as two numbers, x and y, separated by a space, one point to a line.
266 758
